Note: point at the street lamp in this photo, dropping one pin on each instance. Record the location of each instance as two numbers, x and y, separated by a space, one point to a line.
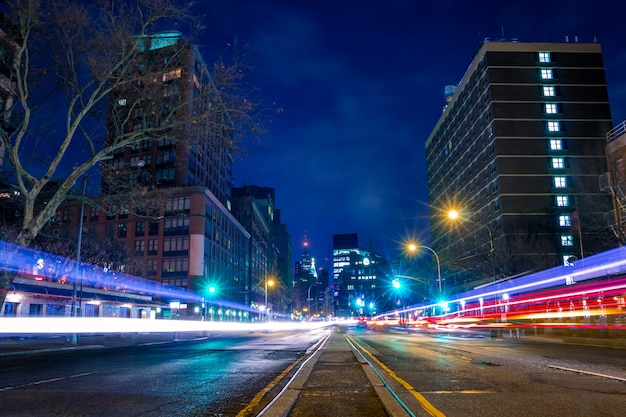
454 215
412 247
268 283
309 296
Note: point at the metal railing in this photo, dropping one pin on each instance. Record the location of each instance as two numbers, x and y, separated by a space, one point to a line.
616 131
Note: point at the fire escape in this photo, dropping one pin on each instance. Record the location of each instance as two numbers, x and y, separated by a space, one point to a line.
614 181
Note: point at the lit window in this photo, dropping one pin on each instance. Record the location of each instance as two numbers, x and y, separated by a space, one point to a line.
562 200
558 163
549 91
546 74
565 220
121 102
551 108
560 182
554 126
567 240
556 144
544 56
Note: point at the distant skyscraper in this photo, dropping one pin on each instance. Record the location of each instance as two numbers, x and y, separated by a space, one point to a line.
518 152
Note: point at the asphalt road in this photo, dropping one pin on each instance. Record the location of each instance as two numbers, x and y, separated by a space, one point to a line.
465 375
215 377
432 374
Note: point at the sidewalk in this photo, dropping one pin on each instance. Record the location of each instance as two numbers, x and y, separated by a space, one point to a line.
335 382
25 345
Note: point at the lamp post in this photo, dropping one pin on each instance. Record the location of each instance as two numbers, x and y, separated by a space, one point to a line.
308 298
454 214
412 247
79 243
268 283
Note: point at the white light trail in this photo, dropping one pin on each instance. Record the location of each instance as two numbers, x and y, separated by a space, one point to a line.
94 325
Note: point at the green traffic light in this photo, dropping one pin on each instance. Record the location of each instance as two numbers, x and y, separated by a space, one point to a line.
396 284
212 289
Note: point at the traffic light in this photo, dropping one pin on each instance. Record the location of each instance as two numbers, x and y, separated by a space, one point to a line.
211 290
396 284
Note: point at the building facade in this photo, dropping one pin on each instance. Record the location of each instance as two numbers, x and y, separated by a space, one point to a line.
168 195
361 282
614 180
517 153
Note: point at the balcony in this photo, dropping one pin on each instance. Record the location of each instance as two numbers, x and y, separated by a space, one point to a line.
616 132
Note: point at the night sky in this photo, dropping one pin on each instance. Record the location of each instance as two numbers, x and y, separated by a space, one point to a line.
361 85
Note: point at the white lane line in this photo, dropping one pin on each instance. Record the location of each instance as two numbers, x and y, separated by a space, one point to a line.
47 381
586 372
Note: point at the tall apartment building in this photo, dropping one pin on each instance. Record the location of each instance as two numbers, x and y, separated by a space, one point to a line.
517 152
180 227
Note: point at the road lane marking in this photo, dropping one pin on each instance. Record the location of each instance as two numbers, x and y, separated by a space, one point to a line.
426 405
257 398
47 381
587 372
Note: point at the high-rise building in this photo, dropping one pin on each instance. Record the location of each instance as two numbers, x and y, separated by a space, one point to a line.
180 228
305 282
517 153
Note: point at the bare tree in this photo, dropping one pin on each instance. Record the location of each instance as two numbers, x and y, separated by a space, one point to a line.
68 57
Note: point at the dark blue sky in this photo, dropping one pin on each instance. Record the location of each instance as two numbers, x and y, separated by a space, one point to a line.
361 84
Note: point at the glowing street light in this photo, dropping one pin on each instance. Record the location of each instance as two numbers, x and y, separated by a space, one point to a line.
413 248
268 283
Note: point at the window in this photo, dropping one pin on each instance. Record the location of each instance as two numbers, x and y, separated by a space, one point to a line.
547 74
153 246
562 200
554 126
544 56
178 204
560 182
173 74
556 144
567 240
165 174
139 247
176 246
122 230
176 225
121 102
558 163
565 220
151 267
175 265
140 228
153 228
549 91
551 108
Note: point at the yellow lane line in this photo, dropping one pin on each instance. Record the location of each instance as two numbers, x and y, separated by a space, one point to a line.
257 398
426 405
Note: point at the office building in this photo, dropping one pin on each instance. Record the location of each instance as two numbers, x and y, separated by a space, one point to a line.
517 153
361 285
